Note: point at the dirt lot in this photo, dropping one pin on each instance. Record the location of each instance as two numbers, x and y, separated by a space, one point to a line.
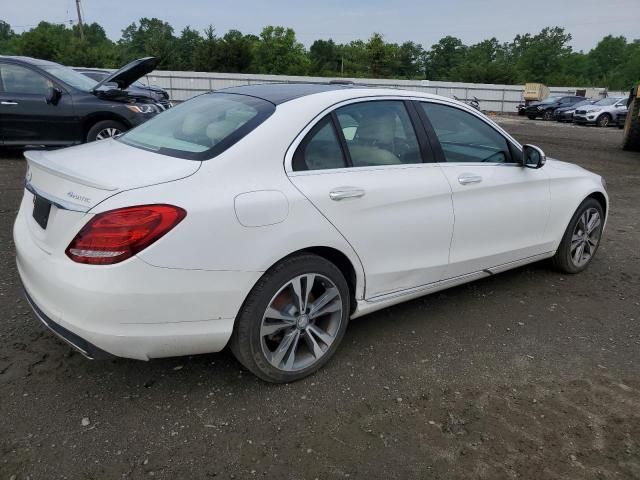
529 374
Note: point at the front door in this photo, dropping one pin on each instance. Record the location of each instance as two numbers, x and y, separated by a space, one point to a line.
501 208
363 168
25 116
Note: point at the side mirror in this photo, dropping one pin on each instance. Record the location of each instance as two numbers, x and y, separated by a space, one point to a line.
533 157
53 95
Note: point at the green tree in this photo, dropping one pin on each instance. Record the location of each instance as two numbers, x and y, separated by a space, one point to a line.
443 57
207 54
325 58
150 37
279 52
45 41
236 52
186 46
539 56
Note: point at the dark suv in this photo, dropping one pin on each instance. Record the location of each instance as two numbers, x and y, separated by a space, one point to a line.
547 107
45 103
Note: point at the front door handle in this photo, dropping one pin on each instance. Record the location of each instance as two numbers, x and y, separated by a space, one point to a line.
345 192
8 102
467 178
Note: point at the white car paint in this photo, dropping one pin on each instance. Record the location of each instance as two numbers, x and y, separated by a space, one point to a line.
415 230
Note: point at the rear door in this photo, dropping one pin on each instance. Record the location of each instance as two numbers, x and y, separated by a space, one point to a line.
501 208
25 116
362 167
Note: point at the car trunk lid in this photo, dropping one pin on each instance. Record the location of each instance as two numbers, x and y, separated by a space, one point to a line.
67 184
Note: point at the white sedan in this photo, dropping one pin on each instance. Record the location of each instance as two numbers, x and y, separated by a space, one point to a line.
267 216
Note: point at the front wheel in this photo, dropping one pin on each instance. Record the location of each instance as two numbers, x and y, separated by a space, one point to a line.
548 115
604 120
105 129
581 238
293 320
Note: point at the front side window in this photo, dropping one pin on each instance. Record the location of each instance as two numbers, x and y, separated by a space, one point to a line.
71 77
464 137
22 80
378 133
202 127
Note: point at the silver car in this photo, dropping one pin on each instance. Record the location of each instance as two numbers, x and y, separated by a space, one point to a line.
602 113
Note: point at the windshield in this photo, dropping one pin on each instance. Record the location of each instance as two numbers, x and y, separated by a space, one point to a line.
71 77
607 101
582 104
202 127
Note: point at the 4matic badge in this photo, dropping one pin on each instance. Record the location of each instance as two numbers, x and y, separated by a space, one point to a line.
78 197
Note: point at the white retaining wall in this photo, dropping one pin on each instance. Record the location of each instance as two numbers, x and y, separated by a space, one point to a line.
496 98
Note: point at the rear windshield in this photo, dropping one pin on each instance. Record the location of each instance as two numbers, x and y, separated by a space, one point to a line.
202 127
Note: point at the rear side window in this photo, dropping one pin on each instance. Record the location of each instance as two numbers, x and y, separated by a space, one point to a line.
320 149
464 137
202 127
379 133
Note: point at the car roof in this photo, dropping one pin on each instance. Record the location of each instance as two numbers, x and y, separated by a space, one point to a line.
30 60
278 93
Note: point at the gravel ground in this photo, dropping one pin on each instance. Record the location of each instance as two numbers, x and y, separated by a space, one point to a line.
528 374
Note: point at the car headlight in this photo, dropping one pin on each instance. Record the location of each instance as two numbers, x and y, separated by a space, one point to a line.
145 108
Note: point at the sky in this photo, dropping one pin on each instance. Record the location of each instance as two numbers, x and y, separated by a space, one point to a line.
422 21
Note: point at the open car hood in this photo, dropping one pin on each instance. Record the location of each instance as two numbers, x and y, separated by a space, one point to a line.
130 72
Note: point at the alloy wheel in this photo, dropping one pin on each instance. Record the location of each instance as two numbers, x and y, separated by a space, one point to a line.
603 121
301 322
108 133
585 238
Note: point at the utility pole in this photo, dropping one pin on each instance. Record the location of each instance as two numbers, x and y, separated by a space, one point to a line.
80 25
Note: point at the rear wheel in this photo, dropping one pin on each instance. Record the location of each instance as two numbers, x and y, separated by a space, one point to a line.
293 320
581 239
105 129
604 120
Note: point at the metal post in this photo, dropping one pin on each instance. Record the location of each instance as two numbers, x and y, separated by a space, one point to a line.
80 25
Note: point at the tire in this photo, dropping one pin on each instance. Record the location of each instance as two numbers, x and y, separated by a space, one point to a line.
547 115
603 120
631 136
105 129
256 343
565 258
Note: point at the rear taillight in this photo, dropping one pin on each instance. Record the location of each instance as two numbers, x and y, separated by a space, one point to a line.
113 236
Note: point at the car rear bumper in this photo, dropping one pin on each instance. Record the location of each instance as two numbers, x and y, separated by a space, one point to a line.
133 309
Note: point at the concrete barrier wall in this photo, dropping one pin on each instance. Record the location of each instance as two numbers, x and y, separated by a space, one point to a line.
495 98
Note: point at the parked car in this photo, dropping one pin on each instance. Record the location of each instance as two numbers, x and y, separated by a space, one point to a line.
137 88
565 114
45 103
547 107
267 216
602 113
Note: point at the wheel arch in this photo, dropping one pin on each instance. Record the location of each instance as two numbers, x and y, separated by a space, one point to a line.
601 199
341 261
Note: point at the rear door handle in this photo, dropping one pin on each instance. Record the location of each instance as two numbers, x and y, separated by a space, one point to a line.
467 178
8 102
341 193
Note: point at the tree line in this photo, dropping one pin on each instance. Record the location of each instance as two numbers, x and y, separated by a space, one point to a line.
545 57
